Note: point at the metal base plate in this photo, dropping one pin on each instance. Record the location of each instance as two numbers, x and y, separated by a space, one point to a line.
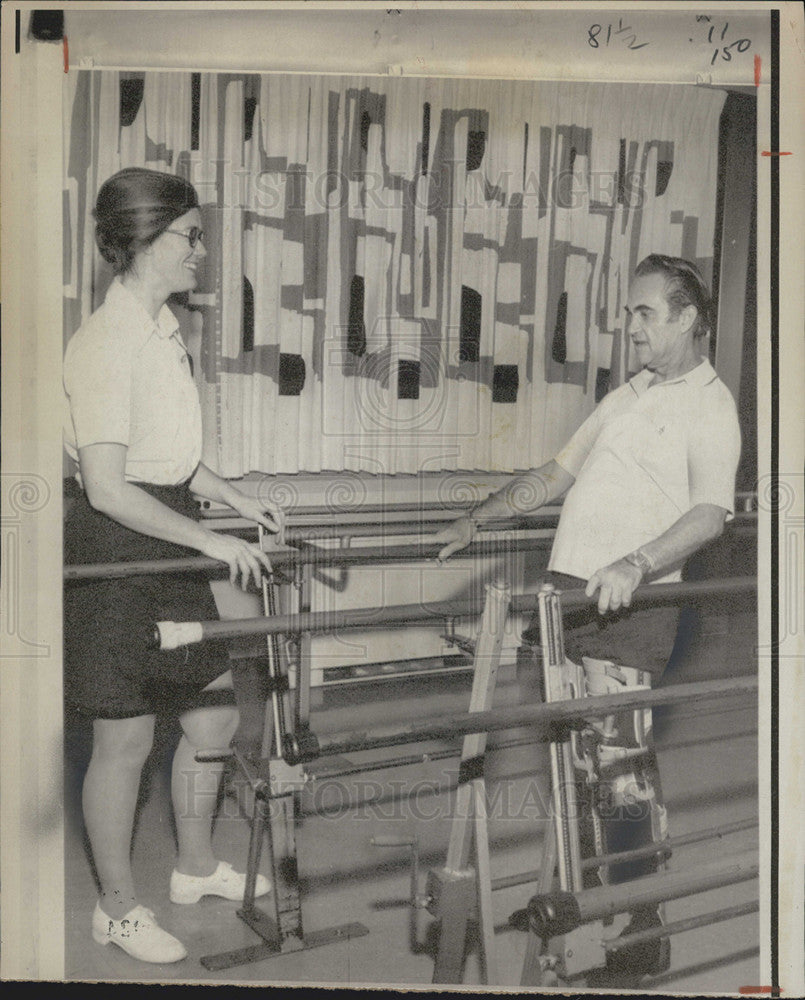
271 948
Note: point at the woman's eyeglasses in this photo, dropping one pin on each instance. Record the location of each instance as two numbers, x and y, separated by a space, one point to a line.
193 235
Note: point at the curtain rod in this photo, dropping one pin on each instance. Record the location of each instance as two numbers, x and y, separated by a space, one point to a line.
89 64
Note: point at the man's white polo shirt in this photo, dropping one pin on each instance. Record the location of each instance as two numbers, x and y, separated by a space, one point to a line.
127 380
642 459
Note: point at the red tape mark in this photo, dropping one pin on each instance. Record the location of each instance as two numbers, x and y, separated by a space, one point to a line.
757 71
768 152
66 54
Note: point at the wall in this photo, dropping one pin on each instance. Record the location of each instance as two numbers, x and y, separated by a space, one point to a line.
521 41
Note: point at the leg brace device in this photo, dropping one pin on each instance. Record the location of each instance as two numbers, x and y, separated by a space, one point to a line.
619 797
620 784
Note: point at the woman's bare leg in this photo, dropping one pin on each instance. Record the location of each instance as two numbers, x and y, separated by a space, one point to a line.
111 786
194 785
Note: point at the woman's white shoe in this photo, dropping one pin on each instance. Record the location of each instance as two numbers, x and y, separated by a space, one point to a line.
224 882
138 934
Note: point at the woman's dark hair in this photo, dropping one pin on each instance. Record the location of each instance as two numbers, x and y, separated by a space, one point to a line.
684 286
133 208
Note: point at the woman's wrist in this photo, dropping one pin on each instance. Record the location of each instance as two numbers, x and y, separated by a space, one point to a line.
478 514
230 495
472 520
203 537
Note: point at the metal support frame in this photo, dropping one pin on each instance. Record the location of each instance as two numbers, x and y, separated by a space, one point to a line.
456 893
460 891
276 782
281 930
466 874
577 948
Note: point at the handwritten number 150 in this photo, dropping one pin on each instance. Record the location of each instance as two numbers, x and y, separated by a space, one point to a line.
741 45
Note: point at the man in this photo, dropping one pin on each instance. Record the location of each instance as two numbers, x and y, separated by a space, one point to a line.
650 479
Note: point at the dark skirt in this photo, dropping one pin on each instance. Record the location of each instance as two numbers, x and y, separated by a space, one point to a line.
640 637
109 673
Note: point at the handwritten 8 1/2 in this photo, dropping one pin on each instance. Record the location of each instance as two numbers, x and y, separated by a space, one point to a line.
620 34
598 36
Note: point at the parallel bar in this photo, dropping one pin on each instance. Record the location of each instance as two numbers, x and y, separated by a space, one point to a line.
679 926
383 617
542 716
558 913
425 506
310 555
422 526
289 559
318 510
743 522
649 890
652 593
667 845
696 837
426 756
403 524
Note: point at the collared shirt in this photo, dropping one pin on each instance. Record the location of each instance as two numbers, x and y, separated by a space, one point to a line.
127 380
642 459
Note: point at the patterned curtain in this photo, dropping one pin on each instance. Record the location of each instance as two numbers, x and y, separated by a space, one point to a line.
403 275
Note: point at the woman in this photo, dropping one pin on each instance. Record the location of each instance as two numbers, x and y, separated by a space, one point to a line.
134 427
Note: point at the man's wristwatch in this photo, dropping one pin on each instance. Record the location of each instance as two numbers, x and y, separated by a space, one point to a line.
641 560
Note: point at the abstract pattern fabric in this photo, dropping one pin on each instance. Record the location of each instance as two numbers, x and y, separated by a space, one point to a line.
403 274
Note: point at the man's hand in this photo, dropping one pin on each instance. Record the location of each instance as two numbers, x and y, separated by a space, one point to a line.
458 535
617 583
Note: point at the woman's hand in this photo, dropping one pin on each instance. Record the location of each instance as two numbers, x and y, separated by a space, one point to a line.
243 558
262 512
458 535
207 484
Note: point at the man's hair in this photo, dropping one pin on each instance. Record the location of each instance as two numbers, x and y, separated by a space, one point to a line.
684 286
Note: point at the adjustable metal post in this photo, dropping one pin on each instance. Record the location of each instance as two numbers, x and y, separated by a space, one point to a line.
276 813
455 887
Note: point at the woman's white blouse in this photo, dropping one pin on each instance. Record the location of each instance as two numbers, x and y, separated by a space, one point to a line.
127 380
